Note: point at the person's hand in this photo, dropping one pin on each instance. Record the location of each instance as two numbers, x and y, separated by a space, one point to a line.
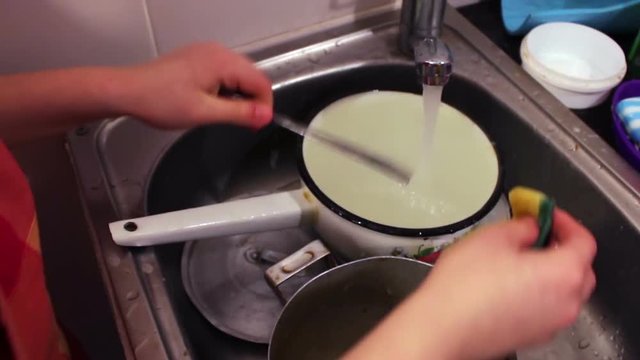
181 89
492 293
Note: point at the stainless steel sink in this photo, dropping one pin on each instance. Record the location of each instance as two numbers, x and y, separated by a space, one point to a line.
127 169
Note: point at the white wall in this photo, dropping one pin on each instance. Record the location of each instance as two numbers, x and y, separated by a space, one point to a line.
41 34
38 34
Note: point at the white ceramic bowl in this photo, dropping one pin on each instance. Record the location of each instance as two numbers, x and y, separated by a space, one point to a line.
577 64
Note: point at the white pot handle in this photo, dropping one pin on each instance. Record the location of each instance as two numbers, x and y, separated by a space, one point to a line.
262 213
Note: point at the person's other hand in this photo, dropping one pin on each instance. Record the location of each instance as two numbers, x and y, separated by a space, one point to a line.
492 293
181 89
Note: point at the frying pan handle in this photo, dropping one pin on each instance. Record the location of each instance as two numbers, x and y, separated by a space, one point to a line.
293 264
263 213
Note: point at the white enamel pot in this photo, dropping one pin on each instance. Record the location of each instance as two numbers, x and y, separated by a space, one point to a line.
344 233
347 234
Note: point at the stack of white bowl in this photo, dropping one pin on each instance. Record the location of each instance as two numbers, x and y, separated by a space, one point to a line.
577 64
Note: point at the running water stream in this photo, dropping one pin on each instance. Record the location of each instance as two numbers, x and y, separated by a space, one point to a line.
431 97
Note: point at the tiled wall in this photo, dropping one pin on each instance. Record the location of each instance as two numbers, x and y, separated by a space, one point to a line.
40 34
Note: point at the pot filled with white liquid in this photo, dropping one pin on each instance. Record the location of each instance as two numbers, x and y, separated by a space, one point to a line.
357 210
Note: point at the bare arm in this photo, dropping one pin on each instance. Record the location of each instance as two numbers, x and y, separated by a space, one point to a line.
42 103
178 90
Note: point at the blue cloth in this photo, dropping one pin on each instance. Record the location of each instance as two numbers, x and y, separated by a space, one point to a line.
628 111
609 16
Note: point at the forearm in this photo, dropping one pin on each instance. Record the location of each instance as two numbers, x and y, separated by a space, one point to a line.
415 330
48 102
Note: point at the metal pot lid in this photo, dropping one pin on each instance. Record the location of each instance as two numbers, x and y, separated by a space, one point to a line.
224 278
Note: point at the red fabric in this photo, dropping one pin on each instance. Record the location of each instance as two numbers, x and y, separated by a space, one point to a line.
25 310
10 257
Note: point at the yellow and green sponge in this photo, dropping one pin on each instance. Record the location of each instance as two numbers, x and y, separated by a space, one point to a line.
525 201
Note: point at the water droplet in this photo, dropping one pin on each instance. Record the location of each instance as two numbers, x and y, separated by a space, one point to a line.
314 59
521 97
596 354
147 268
132 295
113 260
576 129
583 344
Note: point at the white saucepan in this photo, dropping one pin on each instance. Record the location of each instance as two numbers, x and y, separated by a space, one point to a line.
357 211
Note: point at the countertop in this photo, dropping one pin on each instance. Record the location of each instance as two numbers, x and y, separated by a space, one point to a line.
73 275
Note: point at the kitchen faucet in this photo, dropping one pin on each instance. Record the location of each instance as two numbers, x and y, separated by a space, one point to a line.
420 28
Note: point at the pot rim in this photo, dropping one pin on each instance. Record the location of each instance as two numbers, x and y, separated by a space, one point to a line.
394 230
